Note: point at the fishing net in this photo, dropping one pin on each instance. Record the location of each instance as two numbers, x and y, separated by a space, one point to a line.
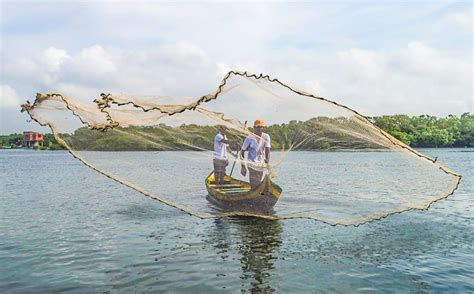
330 163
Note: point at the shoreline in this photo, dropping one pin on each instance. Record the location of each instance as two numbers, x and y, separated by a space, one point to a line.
298 150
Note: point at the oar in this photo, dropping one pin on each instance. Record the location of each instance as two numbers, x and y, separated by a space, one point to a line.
233 165
235 160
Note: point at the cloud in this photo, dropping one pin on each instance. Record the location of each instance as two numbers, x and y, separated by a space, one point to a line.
21 69
54 58
171 69
415 79
9 97
182 54
93 62
375 58
372 81
461 20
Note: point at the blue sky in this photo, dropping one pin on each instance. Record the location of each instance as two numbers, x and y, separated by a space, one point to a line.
378 57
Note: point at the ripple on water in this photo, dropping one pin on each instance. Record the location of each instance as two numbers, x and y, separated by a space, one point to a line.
82 233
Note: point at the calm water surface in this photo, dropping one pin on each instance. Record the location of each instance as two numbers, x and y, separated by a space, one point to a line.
334 187
64 228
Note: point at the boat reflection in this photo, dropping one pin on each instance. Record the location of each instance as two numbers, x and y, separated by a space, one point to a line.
257 243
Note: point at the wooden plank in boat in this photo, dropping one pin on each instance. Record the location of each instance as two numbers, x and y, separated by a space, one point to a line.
235 191
225 186
230 190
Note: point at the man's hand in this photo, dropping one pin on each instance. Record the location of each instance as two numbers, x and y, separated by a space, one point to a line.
241 154
243 170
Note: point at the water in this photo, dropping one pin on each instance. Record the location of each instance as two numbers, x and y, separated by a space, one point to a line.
63 228
334 187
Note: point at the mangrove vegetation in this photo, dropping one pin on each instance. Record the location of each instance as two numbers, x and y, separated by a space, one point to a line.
317 133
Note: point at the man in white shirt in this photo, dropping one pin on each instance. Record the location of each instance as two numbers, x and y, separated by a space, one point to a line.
220 154
258 147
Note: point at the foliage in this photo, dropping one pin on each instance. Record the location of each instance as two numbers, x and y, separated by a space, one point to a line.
430 131
16 140
315 134
11 140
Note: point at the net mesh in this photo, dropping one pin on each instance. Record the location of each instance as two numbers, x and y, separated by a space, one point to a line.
315 159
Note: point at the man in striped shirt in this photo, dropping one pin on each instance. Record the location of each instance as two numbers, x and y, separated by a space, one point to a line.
258 147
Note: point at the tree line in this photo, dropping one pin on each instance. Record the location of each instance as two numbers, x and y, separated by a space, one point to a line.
429 131
317 133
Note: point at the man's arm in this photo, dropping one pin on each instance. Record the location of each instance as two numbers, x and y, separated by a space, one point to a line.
267 154
243 169
226 141
234 153
267 148
244 148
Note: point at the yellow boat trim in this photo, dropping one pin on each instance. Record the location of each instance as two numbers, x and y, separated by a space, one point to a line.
273 189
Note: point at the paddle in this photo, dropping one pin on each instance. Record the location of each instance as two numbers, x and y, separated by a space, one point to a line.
233 165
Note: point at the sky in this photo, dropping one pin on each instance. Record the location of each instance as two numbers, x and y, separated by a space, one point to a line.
377 57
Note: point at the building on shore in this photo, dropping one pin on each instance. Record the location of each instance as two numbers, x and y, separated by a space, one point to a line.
32 139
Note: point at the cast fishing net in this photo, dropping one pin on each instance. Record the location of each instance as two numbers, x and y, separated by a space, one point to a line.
331 162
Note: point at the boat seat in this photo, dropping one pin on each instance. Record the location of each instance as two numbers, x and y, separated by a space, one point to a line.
224 185
234 191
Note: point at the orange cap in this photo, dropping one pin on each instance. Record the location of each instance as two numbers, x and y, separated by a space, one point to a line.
259 123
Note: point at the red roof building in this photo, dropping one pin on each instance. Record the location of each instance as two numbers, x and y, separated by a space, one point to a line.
30 139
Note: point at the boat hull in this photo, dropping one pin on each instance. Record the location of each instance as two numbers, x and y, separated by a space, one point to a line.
235 195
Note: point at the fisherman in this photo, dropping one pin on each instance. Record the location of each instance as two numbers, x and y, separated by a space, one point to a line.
258 147
220 154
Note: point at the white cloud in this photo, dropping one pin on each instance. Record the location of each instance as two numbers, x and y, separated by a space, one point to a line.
182 54
461 20
21 69
9 97
54 58
414 79
361 55
172 69
91 64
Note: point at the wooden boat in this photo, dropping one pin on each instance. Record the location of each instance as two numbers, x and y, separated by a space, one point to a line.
236 195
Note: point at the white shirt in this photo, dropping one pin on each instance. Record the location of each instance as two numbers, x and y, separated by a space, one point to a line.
256 147
220 149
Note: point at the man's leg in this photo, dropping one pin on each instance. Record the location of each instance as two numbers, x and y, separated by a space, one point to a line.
255 177
219 170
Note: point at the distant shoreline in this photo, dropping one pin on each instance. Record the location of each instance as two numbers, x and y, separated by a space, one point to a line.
422 131
458 149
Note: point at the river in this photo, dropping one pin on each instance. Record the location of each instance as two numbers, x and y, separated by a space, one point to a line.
64 227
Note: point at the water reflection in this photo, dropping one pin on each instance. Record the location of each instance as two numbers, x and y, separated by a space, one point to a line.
257 243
